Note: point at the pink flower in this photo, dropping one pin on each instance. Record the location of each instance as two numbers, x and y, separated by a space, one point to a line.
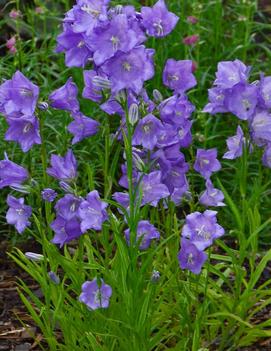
39 10
191 39
11 42
14 14
12 50
192 19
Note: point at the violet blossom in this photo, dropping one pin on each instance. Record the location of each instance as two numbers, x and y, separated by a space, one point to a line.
63 168
146 232
18 213
82 127
235 145
206 162
65 97
95 295
190 257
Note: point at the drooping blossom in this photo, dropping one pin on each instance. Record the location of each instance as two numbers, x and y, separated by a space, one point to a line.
11 174
178 75
211 196
216 101
48 195
202 229
63 168
25 131
146 232
95 295
92 212
147 132
191 40
230 73
18 213
18 96
157 20
82 127
206 162
65 97
235 145
130 70
67 222
153 189
190 257
117 36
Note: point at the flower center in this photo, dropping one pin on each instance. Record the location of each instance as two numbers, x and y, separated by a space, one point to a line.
246 104
126 66
27 128
190 258
158 27
26 92
98 297
81 44
147 127
174 77
20 211
73 207
202 232
115 42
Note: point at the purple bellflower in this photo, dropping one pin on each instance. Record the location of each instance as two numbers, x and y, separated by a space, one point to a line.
130 70
82 127
202 229
18 95
18 213
65 97
146 232
235 145
178 75
63 168
157 20
25 131
206 162
91 91
147 132
11 173
230 73
152 189
95 296
260 127
115 37
211 196
48 195
190 257
92 212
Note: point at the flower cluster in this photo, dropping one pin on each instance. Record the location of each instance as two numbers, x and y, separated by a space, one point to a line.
250 102
199 232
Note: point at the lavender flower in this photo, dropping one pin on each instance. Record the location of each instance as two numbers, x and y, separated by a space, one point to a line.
11 174
152 188
92 212
147 132
266 159
18 95
260 127
211 196
230 73
190 257
63 168
53 277
146 232
202 229
18 213
206 162
235 145
178 75
25 131
216 101
95 296
77 53
48 195
265 91
82 127
157 20
117 36
65 98
130 70
241 100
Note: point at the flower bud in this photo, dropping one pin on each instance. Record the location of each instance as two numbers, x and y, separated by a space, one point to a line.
34 256
101 82
54 278
133 114
158 97
43 106
66 187
139 163
155 276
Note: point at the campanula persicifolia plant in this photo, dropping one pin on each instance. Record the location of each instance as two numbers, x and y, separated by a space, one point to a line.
133 250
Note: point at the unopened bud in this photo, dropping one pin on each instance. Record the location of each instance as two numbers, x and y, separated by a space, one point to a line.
133 114
158 97
155 276
101 82
43 106
34 256
54 278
